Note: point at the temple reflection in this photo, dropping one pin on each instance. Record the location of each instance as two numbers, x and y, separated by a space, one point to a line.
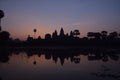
61 55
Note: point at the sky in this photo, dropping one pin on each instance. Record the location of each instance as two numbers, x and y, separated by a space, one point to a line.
22 16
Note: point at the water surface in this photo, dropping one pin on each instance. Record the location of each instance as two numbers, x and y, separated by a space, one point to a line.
60 64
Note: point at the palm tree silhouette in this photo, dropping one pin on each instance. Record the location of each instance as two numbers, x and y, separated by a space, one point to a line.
34 30
76 33
1 16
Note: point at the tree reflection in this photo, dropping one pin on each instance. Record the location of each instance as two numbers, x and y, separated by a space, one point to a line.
72 54
4 56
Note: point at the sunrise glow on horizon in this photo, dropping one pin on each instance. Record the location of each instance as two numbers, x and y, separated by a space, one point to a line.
22 16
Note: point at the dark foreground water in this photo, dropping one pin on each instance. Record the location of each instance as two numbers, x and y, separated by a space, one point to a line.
60 64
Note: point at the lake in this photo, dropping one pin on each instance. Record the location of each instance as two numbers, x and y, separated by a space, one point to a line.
60 64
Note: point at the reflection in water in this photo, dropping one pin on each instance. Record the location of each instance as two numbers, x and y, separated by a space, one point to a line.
37 63
4 56
62 54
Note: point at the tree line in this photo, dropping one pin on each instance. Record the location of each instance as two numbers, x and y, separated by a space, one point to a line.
73 38
75 34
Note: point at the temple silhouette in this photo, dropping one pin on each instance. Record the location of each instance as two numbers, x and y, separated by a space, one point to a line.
69 39
60 39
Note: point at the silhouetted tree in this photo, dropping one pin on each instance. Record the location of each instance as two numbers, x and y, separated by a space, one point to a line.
90 35
76 33
4 35
17 40
34 30
104 34
97 35
1 16
29 38
113 35
48 36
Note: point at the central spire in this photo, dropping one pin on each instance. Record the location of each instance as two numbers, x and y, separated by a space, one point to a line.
62 33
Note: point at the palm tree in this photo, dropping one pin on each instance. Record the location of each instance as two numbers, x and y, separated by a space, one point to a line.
34 30
76 33
1 16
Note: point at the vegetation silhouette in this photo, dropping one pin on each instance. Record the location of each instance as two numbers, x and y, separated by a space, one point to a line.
34 30
101 46
92 39
4 56
69 39
62 54
4 38
76 33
